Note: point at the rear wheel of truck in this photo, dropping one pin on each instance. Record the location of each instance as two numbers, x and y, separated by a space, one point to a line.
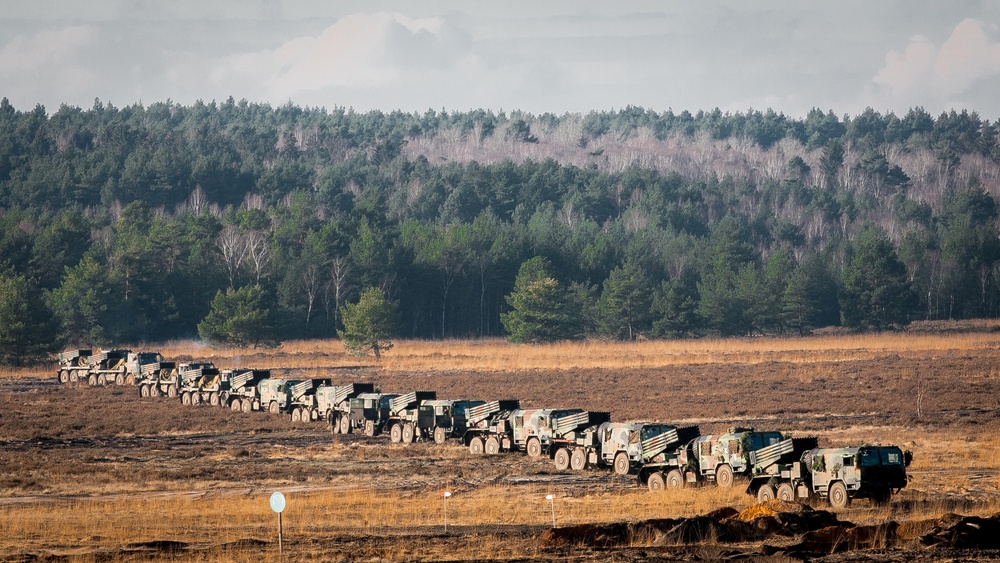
129 379
172 392
73 377
476 446
621 463
369 428
674 480
102 380
562 459
213 399
724 476
765 493
144 391
345 424
92 380
578 460
837 495
246 405
785 492
236 405
408 434
185 398
196 398
534 447
395 433
655 482
120 379
492 446
440 435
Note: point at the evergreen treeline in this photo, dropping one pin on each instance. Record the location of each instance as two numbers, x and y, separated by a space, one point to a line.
127 224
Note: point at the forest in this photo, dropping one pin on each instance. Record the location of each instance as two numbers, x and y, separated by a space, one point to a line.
136 224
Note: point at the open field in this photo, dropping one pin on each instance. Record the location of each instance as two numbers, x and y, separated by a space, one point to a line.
94 474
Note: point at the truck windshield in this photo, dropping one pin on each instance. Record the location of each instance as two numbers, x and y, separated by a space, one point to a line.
869 458
648 432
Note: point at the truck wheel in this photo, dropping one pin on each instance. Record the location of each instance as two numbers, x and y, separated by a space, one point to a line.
144 391
837 495
621 464
724 477
246 405
129 379
476 446
213 399
492 446
120 379
172 392
534 447
273 407
765 493
102 380
655 482
578 460
296 415
785 492
196 398
235 405
345 424
674 480
395 433
73 377
185 398
92 380
63 376
408 434
440 435
562 459
369 428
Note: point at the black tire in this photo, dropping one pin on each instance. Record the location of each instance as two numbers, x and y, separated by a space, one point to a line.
491 446
785 492
621 464
533 447
562 458
408 434
724 476
369 428
476 446
345 424
837 495
656 483
674 480
765 493
440 435
578 460
395 433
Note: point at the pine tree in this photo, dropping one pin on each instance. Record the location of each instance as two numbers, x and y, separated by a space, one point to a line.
369 323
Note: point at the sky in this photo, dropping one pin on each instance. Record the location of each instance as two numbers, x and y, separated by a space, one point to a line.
536 56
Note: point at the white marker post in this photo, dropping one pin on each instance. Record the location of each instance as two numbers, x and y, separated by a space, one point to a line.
278 505
552 503
445 495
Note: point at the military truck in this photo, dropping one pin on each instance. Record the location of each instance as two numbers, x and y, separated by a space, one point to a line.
721 458
74 365
627 447
441 419
368 412
835 474
158 380
199 383
136 363
404 412
106 366
241 392
333 403
534 431
481 422
302 399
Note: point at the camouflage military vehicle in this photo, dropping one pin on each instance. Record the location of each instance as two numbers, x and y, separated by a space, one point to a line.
241 392
333 403
139 362
158 379
106 366
199 383
302 399
628 447
835 474
482 422
74 365
443 419
403 414
722 457
534 431
368 412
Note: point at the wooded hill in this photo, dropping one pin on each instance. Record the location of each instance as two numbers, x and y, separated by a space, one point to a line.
121 225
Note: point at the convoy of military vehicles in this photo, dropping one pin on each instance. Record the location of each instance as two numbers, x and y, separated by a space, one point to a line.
660 455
